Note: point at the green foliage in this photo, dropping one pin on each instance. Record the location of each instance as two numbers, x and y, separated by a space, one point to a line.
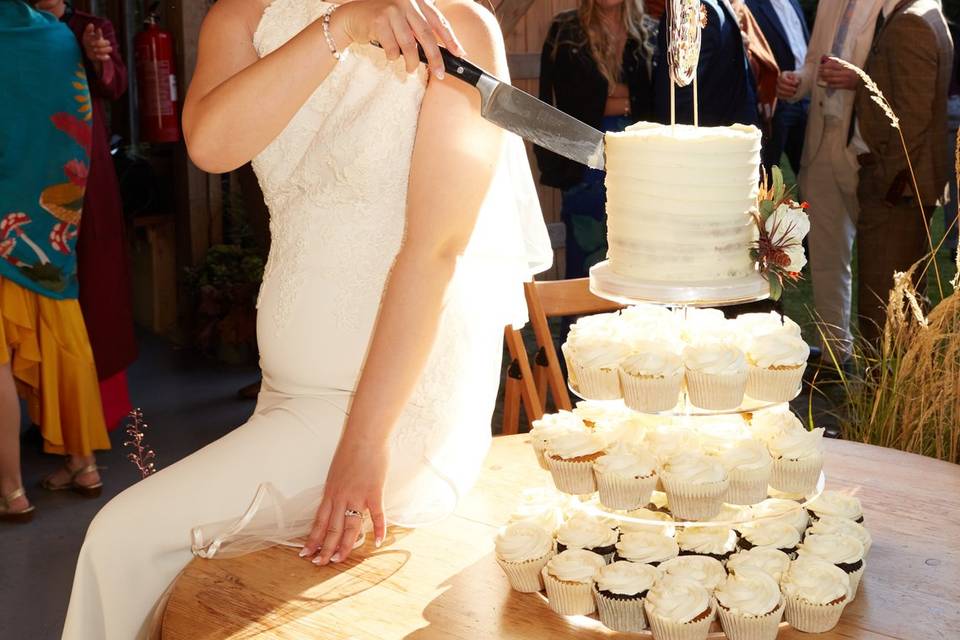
226 265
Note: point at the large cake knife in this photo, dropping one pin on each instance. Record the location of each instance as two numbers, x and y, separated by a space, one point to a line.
514 110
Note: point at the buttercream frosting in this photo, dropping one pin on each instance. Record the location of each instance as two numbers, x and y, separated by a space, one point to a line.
703 570
815 581
777 350
749 593
575 565
652 359
523 541
584 532
695 468
624 462
771 561
834 524
715 359
796 444
678 599
834 503
837 548
708 540
574 444
626 578
647 546
776 534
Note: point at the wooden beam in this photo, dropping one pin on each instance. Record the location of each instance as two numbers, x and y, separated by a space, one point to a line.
510 12
524 66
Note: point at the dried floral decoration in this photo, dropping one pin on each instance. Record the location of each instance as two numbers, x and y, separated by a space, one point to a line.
782 224
142 455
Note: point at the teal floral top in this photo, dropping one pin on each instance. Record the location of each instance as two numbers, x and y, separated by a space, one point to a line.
45 131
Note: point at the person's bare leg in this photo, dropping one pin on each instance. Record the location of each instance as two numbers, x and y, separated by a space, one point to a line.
10 479
73 463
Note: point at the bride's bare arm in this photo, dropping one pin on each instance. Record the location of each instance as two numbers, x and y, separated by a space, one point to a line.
238 103
454 158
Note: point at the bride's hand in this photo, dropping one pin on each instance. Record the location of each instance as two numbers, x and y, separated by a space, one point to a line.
354 484
397 25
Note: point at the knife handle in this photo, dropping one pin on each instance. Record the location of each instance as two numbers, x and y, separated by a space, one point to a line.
454 65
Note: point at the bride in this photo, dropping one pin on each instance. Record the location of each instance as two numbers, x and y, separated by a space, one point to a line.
403 225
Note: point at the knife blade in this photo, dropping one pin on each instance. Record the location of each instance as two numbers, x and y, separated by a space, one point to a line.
530 118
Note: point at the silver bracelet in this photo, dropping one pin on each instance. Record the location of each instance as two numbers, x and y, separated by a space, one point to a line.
325 20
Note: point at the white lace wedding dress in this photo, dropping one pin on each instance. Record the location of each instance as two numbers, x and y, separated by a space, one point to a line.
335 181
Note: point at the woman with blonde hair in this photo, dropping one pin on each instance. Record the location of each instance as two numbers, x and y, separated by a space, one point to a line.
595 65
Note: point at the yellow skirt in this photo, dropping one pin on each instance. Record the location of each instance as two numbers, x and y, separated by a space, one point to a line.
46 342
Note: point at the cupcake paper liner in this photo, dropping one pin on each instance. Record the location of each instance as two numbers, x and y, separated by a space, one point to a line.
664 629
526 577
691 501
596 383
650 394
621 615
618 492
855 579
749 486
571 370
575 478
569 598
741 627
540 450
797 476
774 385
716 391
813 618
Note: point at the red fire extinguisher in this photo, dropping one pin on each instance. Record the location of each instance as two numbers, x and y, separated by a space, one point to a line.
156 82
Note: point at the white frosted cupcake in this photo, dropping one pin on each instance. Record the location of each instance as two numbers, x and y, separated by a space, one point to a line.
570 457
696 485
716 375
789 511
599 415
750 466
771 534
797 460
550 426
625 478
837 504
522 550
816 593
666 441
703 570
620 591
595 360
776 364
651 378
679 609
753 325
846 552
649 521
750 606
646 547
773 562
765 425
568 578
834 524
718 543
585 532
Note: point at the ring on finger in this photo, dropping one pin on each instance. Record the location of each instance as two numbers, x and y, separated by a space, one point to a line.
353 513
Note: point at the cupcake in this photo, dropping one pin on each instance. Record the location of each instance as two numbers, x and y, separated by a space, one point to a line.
696 485
568 579
718 543
595 360
550 426
620 590
835 524
543 507
773 562
750 606
646 547
776 363
522 550
667 440
649 521
625 478
584 532
732 515
765 425
599 414
753 325
846 552
651 378
679 609
834 503
700 325
570 457
797 460
788 511
771 534
749 466
703 570
716 375
816 593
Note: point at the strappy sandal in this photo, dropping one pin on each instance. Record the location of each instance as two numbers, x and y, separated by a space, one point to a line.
85 490
16 517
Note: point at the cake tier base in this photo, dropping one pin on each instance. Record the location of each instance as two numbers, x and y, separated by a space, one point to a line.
607 284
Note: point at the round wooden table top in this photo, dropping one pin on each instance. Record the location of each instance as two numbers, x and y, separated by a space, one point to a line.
443 582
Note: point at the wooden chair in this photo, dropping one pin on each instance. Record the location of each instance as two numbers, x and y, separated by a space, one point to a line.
519 385
551 299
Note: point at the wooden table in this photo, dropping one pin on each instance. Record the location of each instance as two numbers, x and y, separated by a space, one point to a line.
442 582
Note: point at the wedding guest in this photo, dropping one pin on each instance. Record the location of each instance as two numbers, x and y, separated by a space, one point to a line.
102 261
763 64
828 166
785 28
725 86
595 67
953 124
45 354
911 63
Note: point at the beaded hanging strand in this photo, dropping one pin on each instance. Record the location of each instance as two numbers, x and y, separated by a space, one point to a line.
325 20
